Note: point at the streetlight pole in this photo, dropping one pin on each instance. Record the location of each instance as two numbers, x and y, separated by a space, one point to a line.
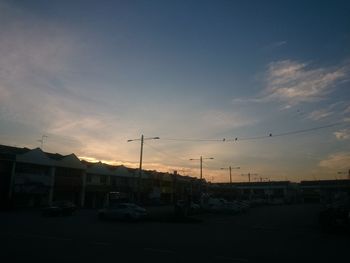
230 169
201 172
142 139
201 164
141 154
248 174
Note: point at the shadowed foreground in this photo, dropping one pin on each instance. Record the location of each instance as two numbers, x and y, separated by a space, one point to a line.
265 234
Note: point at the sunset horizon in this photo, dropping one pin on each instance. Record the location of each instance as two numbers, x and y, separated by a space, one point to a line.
267 91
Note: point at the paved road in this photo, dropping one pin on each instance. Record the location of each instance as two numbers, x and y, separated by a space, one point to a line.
265 234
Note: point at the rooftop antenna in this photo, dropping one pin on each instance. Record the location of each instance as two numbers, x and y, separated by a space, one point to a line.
42 141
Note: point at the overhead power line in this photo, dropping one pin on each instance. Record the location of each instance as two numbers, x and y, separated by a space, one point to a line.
269 135
289 132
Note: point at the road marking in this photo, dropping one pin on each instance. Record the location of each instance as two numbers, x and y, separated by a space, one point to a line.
158 250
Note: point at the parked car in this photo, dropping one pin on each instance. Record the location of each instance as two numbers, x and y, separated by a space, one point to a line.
59 208
187 208
123 211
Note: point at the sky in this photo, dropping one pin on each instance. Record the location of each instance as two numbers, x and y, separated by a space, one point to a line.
91 75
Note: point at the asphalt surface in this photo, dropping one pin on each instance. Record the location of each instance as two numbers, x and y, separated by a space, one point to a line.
264 234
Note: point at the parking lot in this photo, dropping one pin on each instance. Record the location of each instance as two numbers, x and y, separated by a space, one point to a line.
287 233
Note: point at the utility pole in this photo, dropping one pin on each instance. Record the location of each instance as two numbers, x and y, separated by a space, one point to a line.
201 164
141 154
230 169
140 166
173 187
248 174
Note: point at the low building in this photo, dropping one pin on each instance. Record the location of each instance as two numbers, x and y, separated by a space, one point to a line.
285 191
163 187
69 179
7 172
35 178
324 191
124 184
98 185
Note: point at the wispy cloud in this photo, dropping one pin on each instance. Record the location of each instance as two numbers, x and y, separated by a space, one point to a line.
292 82
37 92
319 114
276 44
343 134
335 109
295 82
337 161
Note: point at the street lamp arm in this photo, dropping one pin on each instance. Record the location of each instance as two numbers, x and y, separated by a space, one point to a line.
150 138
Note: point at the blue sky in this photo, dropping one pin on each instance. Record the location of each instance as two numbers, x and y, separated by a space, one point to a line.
92 74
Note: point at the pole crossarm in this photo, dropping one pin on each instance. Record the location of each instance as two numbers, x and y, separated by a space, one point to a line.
147 138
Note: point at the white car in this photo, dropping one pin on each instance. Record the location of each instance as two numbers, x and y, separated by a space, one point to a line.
126 211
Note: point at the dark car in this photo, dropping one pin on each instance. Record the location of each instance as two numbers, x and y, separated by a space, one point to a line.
183 207
59 208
